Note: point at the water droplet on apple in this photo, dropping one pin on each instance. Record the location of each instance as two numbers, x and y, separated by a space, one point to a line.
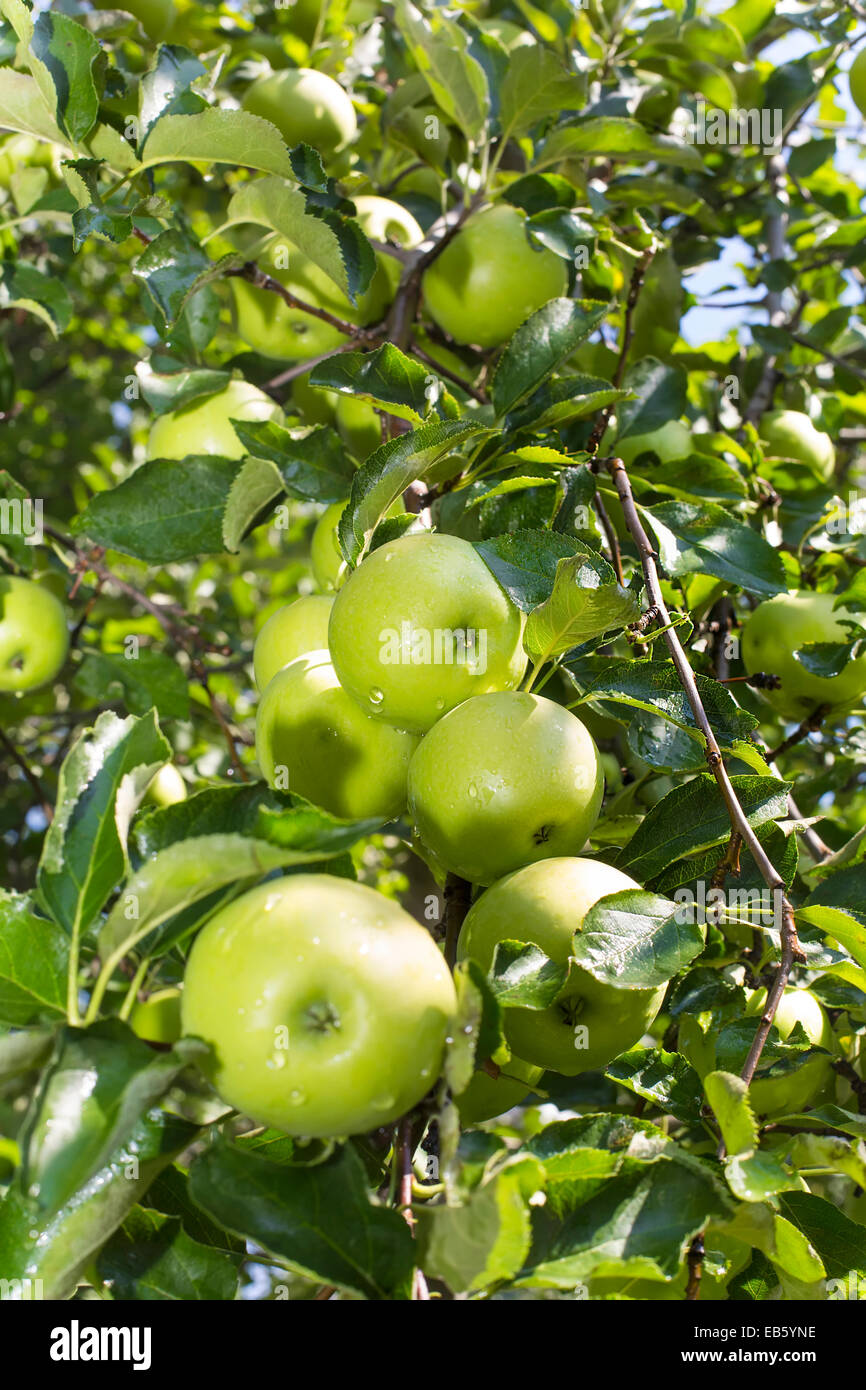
297 1097
277 1062
376 695
383 1102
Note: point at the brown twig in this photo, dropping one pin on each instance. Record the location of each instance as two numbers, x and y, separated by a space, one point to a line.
33 781
610 536
457 895
695 1263
404 1150
252 273
448 374
791 949
810 725
857 1084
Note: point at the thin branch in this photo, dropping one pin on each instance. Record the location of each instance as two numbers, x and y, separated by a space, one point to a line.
791 949
810 725
33 781
449 375
457 895
695 1263
298 368
857 1084
610 536
262 281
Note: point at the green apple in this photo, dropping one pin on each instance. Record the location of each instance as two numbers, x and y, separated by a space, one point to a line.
326 1005
420 626
359 426
670 441
154 16
487 1096
167 788
34 639
292 631
316 404
490 278
778 628
314 739
274 329
800 457
157 1018
857 81
204 426
545 903
793 1091
326 556
306 106
503 780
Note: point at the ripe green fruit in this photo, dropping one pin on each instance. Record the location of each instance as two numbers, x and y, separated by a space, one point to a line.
503 780
326 556
670 441
325 1004
490 278
270 327
292 631
154 16
312 738
545 903
807 456
306 106
34 638
782 625
157 1019
486 1096
204 426
420 626
857 80
789 1094
167 788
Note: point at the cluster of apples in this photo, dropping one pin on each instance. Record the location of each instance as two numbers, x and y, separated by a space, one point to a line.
399 693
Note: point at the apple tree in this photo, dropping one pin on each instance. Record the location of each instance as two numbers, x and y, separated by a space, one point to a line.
432 650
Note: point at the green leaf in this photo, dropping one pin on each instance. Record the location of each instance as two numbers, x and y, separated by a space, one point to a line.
615 137
150 680
536 86
173 267
22 286
558 403
523 975
183 874
24 1051
218 136
101 782
252 497
706 539
99 1083
23 107
335 244
166 88
729 1097
526 562
152 1258
314 465
390 380
839 1241
66 51
694 816
654 686
539 346
586 602
664 1078
34 955
388 472
477 1027
659 395
635 940
317 1218
167 510
456 81
759 1177
57 1247
637 1222
481 1243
